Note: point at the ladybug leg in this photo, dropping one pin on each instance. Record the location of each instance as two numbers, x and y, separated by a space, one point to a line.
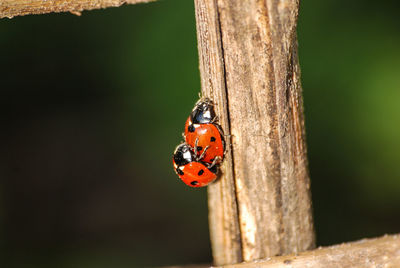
203 153
226 148
195 150
215 119
216 160
195 146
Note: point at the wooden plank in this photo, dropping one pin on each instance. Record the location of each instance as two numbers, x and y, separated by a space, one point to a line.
249 67
377 252
12 8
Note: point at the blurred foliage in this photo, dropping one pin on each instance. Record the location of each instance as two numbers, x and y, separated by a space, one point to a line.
350 65
93 106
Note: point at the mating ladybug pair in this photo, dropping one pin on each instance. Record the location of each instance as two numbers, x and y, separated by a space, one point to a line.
196 160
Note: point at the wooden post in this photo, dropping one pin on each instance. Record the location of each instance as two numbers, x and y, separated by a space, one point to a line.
261 205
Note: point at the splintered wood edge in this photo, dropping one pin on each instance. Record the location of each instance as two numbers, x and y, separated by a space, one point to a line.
12 8
376 252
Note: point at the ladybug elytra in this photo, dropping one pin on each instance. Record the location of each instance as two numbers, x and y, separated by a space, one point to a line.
203 134
192 172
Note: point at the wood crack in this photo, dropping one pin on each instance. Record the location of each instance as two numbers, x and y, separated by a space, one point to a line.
229 124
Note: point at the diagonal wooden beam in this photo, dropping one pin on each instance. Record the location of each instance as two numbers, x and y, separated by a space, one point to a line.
12 8
376 252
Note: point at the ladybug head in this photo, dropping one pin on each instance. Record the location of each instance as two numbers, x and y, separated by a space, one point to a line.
183 155
203 112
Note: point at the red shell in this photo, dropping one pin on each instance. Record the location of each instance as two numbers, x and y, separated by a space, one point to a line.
195 174
208 135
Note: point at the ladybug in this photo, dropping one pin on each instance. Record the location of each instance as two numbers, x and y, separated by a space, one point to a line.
192 172
203 134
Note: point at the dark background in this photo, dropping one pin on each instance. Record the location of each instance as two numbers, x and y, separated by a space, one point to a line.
93 106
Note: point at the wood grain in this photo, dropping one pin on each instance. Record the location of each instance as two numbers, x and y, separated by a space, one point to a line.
379 252
249 67
12 8
223 214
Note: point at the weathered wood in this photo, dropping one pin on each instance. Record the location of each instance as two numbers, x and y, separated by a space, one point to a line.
249 67
377 252
380 252
12 8
223 214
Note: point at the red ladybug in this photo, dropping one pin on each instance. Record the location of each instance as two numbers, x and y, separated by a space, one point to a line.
191 172
203 134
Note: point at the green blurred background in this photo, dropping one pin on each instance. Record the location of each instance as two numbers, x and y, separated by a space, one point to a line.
93 106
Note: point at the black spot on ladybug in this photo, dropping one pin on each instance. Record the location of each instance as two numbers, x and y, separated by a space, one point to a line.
191 128
212 139
199 148
194 183
200 172
179 171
